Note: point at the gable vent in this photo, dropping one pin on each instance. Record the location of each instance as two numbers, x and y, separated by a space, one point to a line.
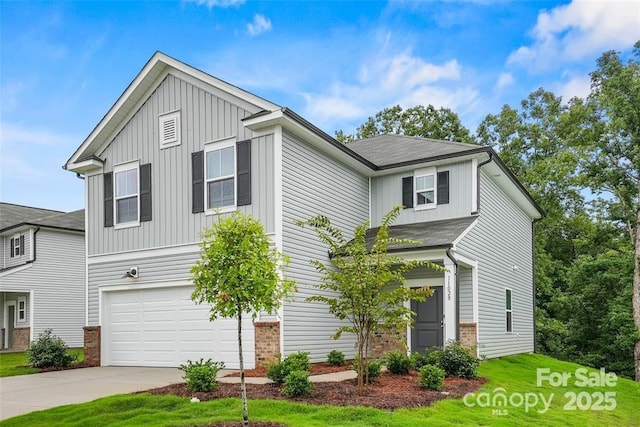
170 129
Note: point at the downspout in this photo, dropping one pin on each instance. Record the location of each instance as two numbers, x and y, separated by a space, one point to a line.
457 287
489 160
34 246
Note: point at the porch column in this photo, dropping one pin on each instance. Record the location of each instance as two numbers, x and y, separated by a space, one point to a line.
449 301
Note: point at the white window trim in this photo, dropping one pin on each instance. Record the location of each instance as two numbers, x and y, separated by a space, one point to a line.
213 146
123 167
508 310
162 118
419 174
24 310
16 246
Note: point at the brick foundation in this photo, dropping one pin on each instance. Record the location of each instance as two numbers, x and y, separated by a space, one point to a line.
469 335
385 341
92 345
20 338
267 342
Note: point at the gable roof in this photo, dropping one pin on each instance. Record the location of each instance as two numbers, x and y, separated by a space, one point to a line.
390 151
14 216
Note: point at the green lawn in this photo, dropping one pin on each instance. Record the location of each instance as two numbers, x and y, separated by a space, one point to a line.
12 364
515 374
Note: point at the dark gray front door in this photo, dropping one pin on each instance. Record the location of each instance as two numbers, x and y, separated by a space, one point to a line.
427 331
11 325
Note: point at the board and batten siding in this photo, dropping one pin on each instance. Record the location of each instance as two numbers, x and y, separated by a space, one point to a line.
314 184
204 117
501 241
386 192
57 279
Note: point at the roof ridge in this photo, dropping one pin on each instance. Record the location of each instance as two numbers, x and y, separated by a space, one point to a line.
31 207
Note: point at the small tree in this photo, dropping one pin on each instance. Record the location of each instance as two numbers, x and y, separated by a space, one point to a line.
239 274
366 284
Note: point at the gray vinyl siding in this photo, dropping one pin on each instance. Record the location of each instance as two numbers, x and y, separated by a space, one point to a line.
386 192
16 260
500 241
57 279
315 184
466 294
204 117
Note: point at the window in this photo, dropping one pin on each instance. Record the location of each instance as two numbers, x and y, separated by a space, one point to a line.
169 127
126 193
22 309
220 173
16 246
508 310
425 189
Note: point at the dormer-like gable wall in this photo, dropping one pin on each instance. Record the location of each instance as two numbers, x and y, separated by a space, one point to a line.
429 193
163 149
16 248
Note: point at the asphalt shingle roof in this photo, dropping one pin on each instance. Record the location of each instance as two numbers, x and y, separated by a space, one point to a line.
387 150
12 215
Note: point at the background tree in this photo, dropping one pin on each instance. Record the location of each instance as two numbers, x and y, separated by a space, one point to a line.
237 275
426 122
366 284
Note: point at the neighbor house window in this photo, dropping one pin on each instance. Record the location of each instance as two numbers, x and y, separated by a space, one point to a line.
220 175
508 310
22 309
16 246
425 188
126 193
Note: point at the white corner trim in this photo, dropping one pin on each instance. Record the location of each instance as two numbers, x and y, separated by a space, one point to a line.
278 212
474 185
31 313
464 233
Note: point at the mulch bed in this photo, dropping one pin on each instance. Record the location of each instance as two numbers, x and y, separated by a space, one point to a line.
316 369
388 392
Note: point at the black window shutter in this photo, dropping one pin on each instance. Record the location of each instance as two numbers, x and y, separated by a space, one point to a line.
145 192
108 199
22 245
407 192
13 245
243 170
197 181
443 188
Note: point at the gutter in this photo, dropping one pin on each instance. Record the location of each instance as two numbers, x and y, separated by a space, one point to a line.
457 287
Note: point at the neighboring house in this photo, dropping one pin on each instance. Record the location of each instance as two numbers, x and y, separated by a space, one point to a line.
42 275
181 148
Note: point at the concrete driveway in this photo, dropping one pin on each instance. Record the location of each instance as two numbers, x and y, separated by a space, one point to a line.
27 393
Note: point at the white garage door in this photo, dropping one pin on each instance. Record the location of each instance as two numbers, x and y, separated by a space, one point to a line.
164 327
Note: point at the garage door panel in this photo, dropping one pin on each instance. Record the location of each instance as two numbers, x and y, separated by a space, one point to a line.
164 327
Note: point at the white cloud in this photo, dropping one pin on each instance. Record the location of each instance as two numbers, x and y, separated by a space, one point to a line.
578 29
259 25
504 80
17 134
217 3
577 85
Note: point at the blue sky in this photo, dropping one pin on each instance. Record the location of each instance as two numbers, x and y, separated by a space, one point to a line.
64 64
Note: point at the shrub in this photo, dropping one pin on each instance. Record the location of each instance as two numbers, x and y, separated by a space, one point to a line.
335 358
49 351
277 372
375 369
417 360
431 377
297 384
434 356
201 376
458 362
397 362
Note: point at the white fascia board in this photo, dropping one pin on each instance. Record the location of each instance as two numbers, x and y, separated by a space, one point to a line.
275 118
86 166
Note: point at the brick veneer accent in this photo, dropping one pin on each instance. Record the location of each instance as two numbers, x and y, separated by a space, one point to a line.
92 345
469 335
386 340
20 338
267 341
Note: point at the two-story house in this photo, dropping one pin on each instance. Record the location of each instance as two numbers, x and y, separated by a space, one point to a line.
180 148
42 275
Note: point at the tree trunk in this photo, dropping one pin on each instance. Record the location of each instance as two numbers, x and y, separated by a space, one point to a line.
243 386
636 286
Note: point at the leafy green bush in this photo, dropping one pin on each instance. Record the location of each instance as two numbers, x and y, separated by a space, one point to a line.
417 360
277 372
397 362
434 356
49 351
201 376
458 362
335 358
297 384
431 377
375 369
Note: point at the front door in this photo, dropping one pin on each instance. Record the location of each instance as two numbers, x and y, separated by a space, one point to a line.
11 323
428 323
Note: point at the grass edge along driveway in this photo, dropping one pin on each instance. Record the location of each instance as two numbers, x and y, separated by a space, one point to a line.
514 377
17 363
